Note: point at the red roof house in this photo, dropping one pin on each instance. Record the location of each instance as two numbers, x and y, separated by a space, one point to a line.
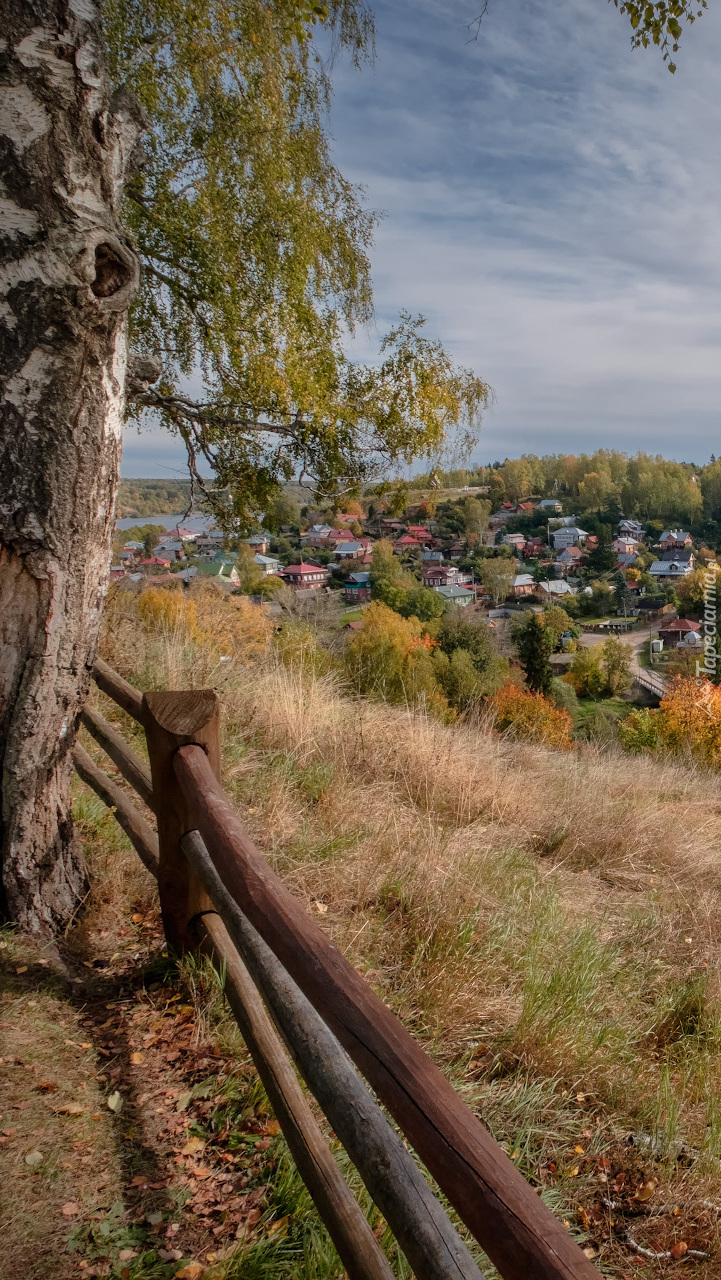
304 577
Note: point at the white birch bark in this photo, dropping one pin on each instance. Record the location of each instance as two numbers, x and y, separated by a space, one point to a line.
66 280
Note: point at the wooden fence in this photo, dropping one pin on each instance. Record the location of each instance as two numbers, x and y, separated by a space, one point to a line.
292 991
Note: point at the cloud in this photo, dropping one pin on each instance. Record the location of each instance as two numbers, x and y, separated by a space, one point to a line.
552 204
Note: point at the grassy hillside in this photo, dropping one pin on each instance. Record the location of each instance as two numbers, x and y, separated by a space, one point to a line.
544 922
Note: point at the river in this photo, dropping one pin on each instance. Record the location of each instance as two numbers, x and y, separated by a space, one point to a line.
197 522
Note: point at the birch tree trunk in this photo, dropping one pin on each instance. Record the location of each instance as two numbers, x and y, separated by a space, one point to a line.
66 279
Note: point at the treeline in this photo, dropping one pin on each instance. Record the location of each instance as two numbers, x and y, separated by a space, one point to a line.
643 485
153 498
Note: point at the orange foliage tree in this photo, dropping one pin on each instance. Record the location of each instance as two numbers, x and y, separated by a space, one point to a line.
531 716
690 719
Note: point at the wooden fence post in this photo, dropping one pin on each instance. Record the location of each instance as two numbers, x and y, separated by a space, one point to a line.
173 720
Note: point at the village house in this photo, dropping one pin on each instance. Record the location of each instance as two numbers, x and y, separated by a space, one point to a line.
459 596
260 542
134 546
207 541
267 564
317 536
554 588
352 550
681 557
625 561
591 542
170 550
670 570
515 540
155 562
457 551
444 576
568 559
632 527
182 535
523 585
500 517
432 557
675 635
533 547
674 539
222 571
625 544
568 536
357 588
420 533
405 544
304 577
549 505
391 528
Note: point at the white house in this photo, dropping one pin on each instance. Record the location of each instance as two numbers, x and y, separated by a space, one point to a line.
568 536
554 588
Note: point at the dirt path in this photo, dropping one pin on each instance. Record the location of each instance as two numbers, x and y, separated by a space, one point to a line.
116 1153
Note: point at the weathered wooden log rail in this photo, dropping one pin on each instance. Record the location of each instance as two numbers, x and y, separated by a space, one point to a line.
287 985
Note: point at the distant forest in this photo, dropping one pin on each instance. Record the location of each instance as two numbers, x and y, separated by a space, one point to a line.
153 497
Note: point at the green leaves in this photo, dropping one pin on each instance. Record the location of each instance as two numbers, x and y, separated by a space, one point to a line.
660 22
255 252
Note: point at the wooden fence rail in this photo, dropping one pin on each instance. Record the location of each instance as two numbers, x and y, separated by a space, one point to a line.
218 892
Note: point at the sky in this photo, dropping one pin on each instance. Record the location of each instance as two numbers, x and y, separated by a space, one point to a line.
550 200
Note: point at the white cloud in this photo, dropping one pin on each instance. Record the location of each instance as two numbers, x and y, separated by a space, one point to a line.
553 206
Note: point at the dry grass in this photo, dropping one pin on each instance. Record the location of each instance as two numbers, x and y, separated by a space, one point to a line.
545 921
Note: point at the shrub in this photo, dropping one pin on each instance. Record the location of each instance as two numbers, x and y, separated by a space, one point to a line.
616 665
531 716
161 610
638 732
585 674
564 696
391 658
458 632
459 679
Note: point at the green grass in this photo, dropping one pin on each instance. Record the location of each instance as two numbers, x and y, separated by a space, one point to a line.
614 706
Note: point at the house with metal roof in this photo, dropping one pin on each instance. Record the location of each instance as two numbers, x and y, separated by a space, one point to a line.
460 596
568 536
555 587
267 564
670 570
523 585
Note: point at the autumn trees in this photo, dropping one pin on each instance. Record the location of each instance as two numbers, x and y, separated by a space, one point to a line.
172 158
